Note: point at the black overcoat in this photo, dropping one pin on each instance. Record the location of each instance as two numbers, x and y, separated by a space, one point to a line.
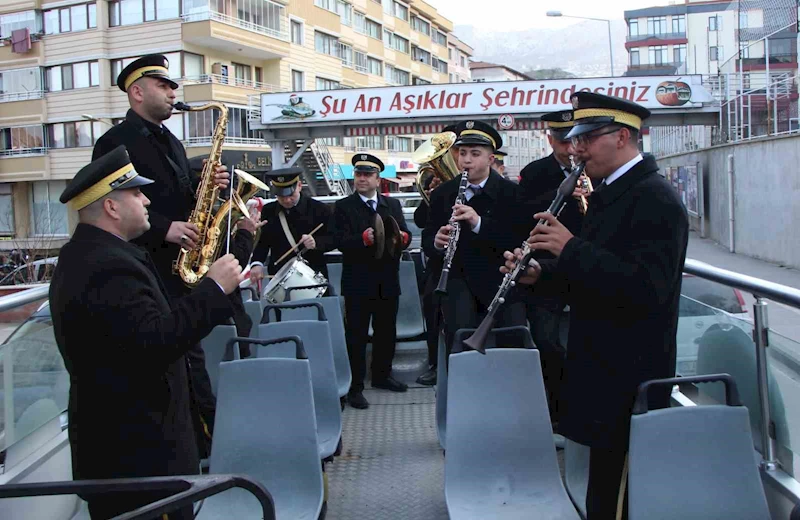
624 274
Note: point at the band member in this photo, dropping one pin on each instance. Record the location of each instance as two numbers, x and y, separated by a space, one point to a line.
155 150
624 276
370 285
433 268
487 227
124 339
538 183
499 164
290 221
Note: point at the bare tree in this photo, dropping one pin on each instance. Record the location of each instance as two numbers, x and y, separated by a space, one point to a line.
40 239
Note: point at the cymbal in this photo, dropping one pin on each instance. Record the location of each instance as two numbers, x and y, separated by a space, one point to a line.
380 235
394 238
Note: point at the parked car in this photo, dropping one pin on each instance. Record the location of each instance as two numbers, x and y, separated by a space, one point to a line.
703 304
39 271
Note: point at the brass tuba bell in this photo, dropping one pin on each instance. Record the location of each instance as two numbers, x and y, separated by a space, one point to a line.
435 159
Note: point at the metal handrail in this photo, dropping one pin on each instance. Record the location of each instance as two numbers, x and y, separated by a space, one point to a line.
757 287
12 301
186 489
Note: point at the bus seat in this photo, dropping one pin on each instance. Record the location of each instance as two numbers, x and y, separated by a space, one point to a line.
317 340
410 322
519 337
334 314
501 461
254 309
576 473
694 461
214 348
335 277
272 440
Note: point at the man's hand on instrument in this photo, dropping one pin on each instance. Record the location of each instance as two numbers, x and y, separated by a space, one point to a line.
462 212
532 272
579 191
442 236
251 224
368 236
256 273
406 238
184 234
308 241
221 175
552 237
227 272
435 183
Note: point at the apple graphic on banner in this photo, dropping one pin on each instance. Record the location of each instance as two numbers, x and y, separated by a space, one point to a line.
673 93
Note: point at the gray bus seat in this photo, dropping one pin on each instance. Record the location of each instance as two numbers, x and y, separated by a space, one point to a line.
214 348
335 277
507 336
694 461
317 341
501 461
730 350
333 312
410 322
254 309
271 440
576 473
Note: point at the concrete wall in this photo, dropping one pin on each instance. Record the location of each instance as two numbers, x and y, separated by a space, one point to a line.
766 194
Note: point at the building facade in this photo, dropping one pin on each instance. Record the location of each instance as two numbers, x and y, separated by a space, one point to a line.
59 62
459 55
523 146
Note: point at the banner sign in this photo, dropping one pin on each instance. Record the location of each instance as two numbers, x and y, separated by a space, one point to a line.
685 180
477 100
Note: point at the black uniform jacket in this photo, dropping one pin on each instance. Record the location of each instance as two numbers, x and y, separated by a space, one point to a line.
123 342
478 255
302 219
362 274
624 277
163 159
433 268
539 182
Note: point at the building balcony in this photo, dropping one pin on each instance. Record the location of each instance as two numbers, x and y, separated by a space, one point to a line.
655 69
29 164
213 30
776 61
216 87
21 108
229 141
25 59
643 40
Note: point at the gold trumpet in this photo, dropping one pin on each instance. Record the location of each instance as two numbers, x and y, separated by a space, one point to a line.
586 184
435 159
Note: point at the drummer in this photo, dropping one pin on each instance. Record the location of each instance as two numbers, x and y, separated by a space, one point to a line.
290 222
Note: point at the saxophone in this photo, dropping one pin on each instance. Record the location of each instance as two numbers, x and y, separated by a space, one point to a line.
192 265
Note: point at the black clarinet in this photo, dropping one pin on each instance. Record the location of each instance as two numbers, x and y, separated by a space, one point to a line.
455 233
478 338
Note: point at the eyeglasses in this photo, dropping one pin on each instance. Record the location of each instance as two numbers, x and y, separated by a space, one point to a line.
585 140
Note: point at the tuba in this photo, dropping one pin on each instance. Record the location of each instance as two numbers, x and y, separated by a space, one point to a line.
192 265
434 157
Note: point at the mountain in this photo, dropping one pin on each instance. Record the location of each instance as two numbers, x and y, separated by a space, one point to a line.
581 49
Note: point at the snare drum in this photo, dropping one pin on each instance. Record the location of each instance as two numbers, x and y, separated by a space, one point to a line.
295 273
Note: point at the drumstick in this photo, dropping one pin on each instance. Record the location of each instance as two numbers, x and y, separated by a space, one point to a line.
287 253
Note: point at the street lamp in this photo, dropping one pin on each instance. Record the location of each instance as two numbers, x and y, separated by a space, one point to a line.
557 14
90 117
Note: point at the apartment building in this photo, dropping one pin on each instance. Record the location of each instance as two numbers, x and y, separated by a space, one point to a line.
59 61
523 146
459 54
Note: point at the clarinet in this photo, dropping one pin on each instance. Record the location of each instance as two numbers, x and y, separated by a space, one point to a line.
455 233
478 338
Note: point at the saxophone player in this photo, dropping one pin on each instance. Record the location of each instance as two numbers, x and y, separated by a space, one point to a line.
155 150
488 226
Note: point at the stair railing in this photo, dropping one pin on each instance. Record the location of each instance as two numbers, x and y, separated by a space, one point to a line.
331 171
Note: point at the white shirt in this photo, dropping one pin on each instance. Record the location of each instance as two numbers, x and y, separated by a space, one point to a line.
622 170
374 197
469 194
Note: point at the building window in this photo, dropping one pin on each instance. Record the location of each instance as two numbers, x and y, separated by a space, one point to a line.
31 20
297 32
200 125
744 49
420 55
333 141
22 140
6 209
373 29
679 24
193 65
401 11
175 62
259 75
449 53
359 22
658 54
131 12
327 84
262 16
375 66
369 142
345 11
440 38
633 28
398 144
715 23
75 75
325 44
242 74
419 81
635 57
48 215
360 62
20 84
395 42
298 82
743 20
746 80
396 76
420 25
679 54
70 19
74 135
715 53
656 25
329 5
346 52
439 65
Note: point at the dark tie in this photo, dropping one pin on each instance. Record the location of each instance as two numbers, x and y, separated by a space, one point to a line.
371 204
476 190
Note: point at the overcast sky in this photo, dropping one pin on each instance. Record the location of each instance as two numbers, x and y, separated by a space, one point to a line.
517 15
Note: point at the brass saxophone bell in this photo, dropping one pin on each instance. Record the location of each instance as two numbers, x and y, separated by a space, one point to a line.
436 161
